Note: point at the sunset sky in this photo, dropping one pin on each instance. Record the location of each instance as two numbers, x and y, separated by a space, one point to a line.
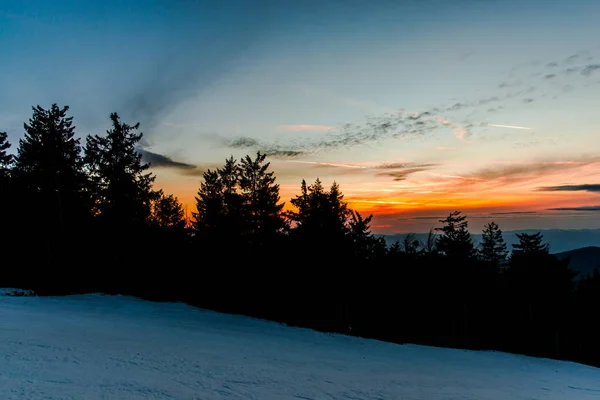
415 107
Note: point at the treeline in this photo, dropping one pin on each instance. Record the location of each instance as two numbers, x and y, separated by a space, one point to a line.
85 217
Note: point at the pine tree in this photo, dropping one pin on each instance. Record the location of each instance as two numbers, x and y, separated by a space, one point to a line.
6 161
5 158
123 190
455 240
410 244
493 247
167 212
209 203
365 244
530 244
48 169
261 207
321 215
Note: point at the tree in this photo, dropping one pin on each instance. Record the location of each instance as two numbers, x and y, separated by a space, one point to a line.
410 244
122 189
455 240
5 165
530 245
48 169
167 212
260 195
5 158
321 215
493 247
219 218
365 244
430 245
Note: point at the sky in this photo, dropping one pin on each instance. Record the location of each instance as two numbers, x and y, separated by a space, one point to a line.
415 108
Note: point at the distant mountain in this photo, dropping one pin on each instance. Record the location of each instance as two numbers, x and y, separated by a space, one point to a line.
583 260
559 240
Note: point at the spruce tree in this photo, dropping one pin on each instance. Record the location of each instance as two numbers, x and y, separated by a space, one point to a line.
260 195
48 169
5 158
530 244
122 189
493 247
167 212
455 240
210 206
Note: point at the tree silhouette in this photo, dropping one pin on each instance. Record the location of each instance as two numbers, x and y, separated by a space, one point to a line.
410 244
260 194
455 240
530 245
365 244
493 247
167 212
218 215
48 168
5 158
122 189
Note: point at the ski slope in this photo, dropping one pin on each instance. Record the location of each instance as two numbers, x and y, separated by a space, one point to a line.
114 347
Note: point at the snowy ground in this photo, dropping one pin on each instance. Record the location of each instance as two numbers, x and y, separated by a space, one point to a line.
113 347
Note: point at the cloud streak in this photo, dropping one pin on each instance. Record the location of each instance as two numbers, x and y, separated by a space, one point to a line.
161 161
571 188
510 126
527 86
582 208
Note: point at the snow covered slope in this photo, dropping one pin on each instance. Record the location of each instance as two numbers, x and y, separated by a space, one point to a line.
113 347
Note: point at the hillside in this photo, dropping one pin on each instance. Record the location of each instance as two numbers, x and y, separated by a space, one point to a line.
114 347
583 260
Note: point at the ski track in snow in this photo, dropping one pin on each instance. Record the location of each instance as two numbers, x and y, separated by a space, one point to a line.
117 347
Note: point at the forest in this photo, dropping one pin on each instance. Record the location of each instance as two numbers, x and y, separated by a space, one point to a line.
82 216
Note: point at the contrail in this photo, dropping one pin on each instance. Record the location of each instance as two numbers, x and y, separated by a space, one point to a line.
511 127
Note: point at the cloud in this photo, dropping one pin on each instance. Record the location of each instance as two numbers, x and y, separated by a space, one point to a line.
514 213
571 188
582 208
279 153
270 150
401 171
305 128
589 69
510 126
504 173
522 85
329 164
243 143
401 175
161 161
404 165
190 60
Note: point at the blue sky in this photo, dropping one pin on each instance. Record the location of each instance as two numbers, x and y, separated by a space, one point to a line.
487 102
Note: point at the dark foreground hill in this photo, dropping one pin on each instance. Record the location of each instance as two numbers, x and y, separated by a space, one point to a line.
583 260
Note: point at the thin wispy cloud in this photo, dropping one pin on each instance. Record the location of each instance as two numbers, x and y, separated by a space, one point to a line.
510 126
527 84
305 128
161 161
571 188
582 208
328 164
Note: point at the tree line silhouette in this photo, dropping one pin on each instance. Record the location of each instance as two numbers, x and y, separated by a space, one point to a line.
80 218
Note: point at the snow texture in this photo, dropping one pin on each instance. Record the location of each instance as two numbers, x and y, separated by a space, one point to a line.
116 347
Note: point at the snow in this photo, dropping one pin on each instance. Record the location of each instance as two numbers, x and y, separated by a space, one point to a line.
117 347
